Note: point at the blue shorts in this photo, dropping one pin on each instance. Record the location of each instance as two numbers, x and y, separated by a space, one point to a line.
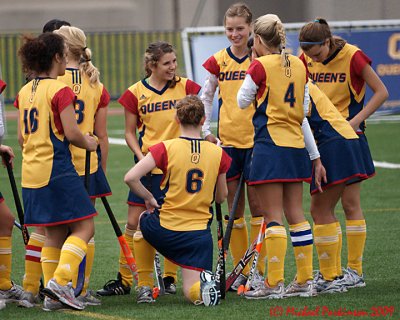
152 183
271 163
64 200
188 249
343 162
241 161
98 185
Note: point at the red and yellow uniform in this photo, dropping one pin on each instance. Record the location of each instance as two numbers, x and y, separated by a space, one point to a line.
180 229
52 191
89 99
339 77
278 120
234 124
155 109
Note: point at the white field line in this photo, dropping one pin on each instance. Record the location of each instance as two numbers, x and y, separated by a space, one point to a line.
378 164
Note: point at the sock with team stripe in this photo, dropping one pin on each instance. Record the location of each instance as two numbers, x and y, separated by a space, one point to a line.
88 267
33 267
356 233
124 270
5 263
255 224
144 254
339 251
72 253
276 243
49 259
239 241
326 240
302 241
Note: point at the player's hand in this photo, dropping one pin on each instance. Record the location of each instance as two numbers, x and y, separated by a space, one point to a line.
211 138
319 173
355 124
151 204
91 142
7 150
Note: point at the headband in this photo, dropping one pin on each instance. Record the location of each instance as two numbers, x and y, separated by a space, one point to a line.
311 42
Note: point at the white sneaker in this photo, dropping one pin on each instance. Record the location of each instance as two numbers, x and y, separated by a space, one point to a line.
352 279
64 294
52 305
323 286
257 281
14 294
145 295
266 292
209 289
294 289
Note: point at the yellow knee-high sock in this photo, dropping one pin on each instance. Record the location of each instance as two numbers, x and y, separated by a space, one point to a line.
124 270
239 241
339 252
170 270
276 240
5 263
302 241
356 232
327 243
49 259
72 253
255 224
33 267
144 254
194 293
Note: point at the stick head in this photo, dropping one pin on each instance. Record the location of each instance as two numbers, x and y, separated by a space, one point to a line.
156 292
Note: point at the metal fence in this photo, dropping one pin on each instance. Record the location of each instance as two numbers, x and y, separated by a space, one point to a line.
118 56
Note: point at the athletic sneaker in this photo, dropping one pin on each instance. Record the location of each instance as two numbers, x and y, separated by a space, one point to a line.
114 287
352 279
145 295
33 299
240 280
209 289
2 304
324 286
89 299
52 305
294 289
64 294
169 285
266 292
14 294
258 281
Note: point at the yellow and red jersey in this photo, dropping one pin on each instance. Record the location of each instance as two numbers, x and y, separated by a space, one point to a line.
325 120
45 152
280 98
90 97
155 109
339 77
191 168
234 124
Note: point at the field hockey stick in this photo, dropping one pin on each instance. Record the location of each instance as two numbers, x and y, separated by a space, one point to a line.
220 270
18 206
237 270
260 239
82 266
160 289
231 216
130 260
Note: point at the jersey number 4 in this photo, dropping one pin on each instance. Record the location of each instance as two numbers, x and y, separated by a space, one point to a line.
289 95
